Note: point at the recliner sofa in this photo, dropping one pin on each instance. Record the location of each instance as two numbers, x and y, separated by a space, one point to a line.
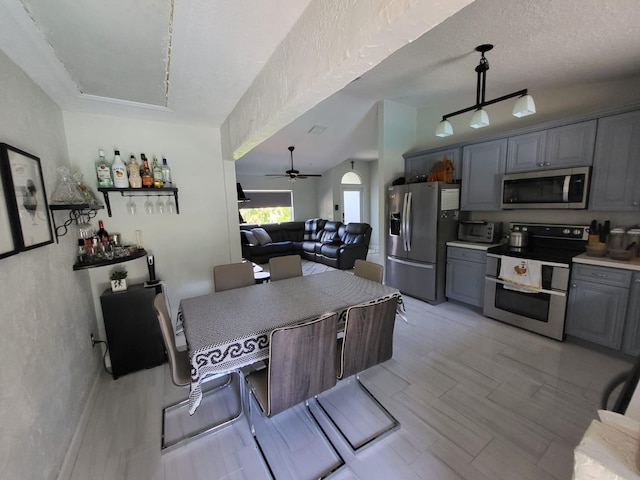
331 243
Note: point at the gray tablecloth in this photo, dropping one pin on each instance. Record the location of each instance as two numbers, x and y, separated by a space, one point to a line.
228 330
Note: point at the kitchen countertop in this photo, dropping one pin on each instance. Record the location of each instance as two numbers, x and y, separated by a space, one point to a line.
633 264
472 245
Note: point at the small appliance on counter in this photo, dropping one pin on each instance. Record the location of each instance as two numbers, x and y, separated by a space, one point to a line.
479 231
151 264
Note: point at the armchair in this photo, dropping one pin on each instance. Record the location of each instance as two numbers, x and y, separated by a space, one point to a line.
353 244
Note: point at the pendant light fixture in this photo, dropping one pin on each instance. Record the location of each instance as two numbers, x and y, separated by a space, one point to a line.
523 107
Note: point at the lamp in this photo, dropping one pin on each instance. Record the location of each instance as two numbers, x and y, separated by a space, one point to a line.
523 107
241 196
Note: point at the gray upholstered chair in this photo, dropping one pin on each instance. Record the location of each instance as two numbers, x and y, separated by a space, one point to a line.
302 363
180 369
367 341
285 267
369 270
233 275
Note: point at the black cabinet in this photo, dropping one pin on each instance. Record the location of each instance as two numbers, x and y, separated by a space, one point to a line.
133 333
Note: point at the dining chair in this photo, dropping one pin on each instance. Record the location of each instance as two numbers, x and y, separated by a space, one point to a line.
233 275
302 364
285 267
367 341
180 370
369 270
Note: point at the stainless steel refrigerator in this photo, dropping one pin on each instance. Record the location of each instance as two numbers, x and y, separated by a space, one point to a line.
421 219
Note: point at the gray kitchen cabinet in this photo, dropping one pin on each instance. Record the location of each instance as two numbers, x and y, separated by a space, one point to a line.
597 304
483 165
562 147
421 164
570 145
526 152
631 338
616 170
465 275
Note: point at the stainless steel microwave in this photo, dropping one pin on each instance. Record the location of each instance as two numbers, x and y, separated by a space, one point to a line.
566 188
479 231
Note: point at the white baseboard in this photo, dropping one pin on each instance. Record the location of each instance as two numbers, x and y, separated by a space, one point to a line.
66 469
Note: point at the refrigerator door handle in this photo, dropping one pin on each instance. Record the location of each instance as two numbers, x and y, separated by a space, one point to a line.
428 266
404 222
408 220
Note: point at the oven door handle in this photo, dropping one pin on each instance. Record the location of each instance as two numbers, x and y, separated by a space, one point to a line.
501 282
542 262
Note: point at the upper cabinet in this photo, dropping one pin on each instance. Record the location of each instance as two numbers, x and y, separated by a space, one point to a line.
526 152
483 165
616 169
562 147
421 164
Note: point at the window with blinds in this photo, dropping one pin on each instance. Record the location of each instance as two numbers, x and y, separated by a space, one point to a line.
270 206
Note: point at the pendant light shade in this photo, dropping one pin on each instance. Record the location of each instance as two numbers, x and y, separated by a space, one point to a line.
480 119
524 106
444 129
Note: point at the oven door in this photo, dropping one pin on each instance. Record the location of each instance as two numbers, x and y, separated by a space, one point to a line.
541 312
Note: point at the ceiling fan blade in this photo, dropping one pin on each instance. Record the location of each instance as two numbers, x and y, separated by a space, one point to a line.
292 173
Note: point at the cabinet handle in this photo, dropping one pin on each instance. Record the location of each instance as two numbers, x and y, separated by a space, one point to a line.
547 163
574 286
635 204
540 164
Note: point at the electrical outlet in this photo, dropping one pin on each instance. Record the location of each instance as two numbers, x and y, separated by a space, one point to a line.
93 341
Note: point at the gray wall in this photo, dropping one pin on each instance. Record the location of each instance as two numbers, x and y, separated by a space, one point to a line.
47 313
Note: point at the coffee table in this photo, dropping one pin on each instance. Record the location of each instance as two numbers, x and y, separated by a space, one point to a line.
262 276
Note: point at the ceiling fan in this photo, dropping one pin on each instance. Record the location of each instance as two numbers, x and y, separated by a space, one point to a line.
292 174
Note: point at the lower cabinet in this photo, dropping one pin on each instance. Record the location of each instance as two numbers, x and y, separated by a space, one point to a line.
465 275
631 337
597 307
133 332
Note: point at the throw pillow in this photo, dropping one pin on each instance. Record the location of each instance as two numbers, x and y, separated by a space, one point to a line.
261 236
249 237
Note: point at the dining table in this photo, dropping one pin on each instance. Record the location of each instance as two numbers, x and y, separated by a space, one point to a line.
226 331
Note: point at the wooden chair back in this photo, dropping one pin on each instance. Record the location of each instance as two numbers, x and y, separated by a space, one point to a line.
233 275
368 336
288 266
301 364
369 270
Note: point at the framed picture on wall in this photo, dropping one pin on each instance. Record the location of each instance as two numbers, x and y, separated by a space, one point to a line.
9 223
26 198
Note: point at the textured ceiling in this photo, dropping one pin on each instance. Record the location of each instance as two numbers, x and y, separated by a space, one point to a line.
192 60
574 56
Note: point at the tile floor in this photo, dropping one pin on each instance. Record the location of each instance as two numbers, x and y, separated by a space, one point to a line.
477 400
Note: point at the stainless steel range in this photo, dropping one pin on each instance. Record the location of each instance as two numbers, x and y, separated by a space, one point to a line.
538 310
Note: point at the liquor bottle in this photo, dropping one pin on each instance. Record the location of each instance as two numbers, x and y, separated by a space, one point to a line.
103 171
166 173
135 180
102 234
157 173
119 170
147 179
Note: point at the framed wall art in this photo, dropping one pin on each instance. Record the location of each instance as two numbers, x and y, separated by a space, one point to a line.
9 224
26 198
